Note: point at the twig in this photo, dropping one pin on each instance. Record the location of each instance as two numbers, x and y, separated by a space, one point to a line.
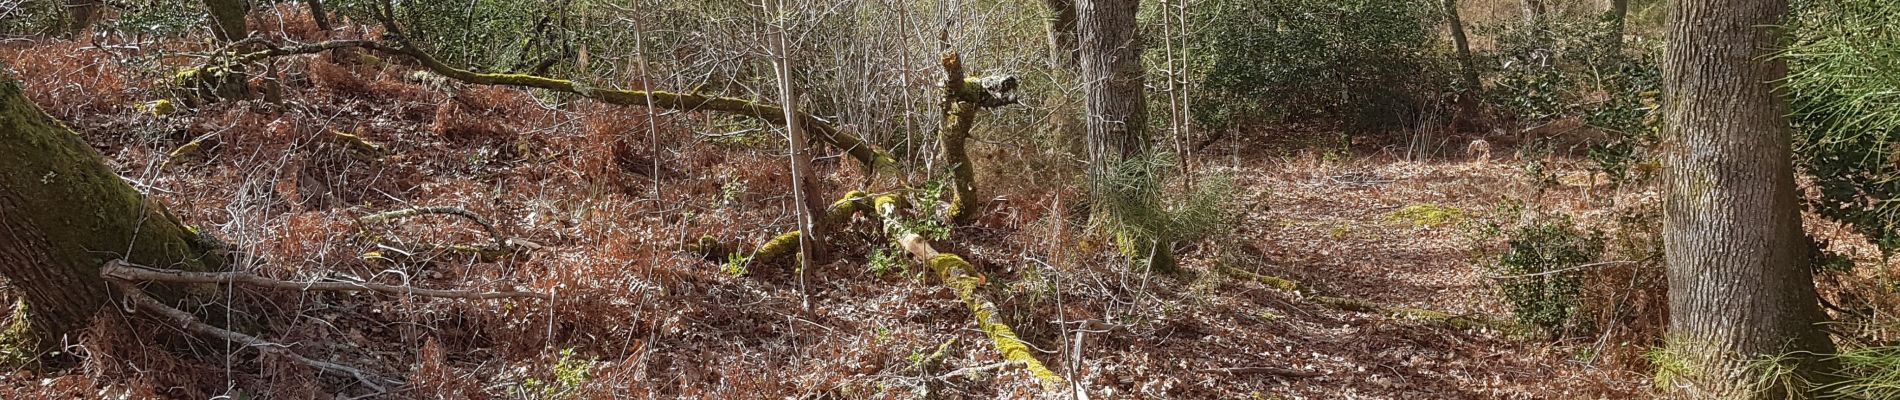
1563 270
122 270
980 368
1292 373
192 324
392 216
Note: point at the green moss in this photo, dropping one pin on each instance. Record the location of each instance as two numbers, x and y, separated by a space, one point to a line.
19 348
1269 280
781 247
61 189
1426 214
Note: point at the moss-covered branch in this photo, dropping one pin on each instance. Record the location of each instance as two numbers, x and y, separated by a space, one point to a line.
874 160
963 279
962 97
785 245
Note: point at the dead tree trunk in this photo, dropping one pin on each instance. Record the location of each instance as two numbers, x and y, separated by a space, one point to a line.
1619 10
227 19
1739 283
63 215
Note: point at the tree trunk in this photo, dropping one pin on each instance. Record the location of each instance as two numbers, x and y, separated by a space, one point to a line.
227 19
82 13
1534 10
1062 40
1740 287
1117 110
317 15
1468 100
1619 10
63 214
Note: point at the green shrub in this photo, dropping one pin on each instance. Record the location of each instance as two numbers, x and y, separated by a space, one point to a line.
1364 62
1538 271
1844 86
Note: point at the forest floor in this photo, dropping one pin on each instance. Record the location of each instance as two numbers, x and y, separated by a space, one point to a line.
637 316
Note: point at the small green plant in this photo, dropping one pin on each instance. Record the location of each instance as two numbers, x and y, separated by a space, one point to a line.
1671 368
730 192
1870 373
1539 271
883 261
736 264
1426 214
570 373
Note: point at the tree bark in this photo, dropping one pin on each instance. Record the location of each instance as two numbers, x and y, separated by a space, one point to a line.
317 14
1117 110
63 215
1619 11
82 12
227 19
1468 70
1740 287
804 188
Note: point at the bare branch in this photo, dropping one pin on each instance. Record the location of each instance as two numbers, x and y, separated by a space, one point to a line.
126 271
137 297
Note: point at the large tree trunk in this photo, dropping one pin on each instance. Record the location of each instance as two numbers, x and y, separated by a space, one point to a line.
1739 283
63 214
227 19
1117 110
1468 70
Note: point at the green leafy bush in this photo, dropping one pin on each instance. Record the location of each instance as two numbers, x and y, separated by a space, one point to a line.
1538 273
1366 62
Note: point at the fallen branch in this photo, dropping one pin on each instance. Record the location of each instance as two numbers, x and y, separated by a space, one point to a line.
122 270
138 298
962 278
785 244
873 159
1269 280
397 215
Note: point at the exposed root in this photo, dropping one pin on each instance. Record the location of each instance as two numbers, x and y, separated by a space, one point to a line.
122 270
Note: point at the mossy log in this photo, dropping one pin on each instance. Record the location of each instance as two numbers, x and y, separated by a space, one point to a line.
784 245
63 214
963 279
873 159
1269 280
962 97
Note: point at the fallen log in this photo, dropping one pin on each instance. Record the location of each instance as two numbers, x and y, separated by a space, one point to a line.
963 279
